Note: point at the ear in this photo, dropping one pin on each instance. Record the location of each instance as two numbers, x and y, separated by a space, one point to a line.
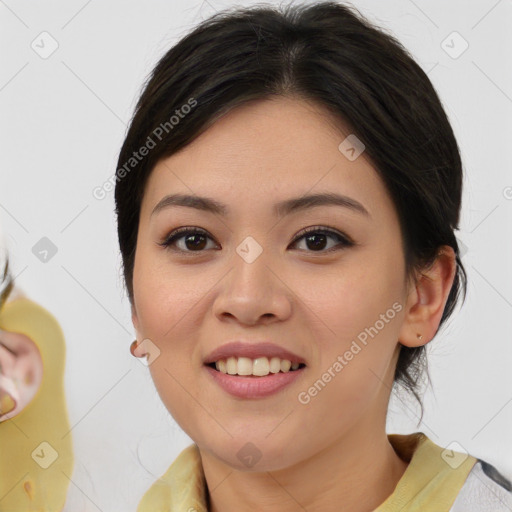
139 346
427 299
135 320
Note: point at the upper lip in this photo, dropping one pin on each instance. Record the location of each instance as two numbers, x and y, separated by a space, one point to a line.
252 351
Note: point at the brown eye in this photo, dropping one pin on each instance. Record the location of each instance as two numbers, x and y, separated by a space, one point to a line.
317 239
190 240
194 240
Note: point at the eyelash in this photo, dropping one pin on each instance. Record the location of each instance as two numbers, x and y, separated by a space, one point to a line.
343 241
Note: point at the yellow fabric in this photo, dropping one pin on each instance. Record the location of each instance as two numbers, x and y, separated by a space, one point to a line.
429 484
25 485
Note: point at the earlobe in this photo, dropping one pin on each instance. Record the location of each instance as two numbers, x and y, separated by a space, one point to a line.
137 349
427 300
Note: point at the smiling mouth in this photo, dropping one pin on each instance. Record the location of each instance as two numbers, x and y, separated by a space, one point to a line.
259 367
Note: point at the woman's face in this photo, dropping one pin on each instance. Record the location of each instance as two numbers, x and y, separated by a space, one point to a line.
251 276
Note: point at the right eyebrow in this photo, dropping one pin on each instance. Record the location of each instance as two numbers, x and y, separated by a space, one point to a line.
200 203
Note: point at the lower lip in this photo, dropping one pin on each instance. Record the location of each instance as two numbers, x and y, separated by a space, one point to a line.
254 387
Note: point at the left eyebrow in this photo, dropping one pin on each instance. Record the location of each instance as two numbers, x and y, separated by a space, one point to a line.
325 199
280 209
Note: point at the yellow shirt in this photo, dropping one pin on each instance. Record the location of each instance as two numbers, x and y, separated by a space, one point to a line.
430 483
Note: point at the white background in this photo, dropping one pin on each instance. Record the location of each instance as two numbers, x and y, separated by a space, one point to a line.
62 123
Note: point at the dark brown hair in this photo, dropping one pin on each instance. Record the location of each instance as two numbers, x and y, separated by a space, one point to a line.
330 54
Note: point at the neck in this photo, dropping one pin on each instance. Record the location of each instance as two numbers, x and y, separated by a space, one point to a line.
356 474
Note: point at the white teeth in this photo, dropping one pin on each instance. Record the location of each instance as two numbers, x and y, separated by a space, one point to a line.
244 366
285 365
260 366
275 365
231 366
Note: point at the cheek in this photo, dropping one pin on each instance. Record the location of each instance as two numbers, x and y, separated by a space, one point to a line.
361 313
164 298
355 302
167 303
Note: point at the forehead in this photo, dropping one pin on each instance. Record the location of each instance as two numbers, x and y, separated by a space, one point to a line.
267 148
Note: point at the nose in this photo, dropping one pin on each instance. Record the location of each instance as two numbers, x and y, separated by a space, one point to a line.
253 293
